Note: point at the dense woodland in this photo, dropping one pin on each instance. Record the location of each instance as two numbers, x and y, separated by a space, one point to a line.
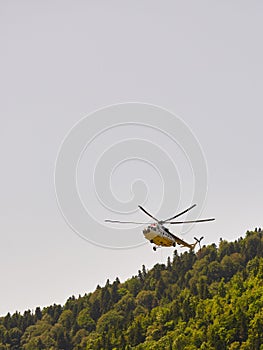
209 300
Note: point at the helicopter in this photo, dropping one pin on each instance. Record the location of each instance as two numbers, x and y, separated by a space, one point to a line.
160 235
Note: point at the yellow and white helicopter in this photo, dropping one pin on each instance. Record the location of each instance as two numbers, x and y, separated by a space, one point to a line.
159 235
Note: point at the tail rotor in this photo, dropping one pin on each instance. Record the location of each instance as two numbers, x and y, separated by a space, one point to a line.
198 241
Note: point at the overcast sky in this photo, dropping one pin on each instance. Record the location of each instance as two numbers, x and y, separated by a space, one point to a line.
62 60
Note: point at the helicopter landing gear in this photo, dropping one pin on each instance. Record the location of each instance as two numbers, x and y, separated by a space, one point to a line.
174 244
156 247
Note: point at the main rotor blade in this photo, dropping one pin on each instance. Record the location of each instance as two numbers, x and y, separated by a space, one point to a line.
128 222
188 222
176 216
146 212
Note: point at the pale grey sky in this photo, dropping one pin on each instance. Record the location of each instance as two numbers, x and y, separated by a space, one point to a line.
60 61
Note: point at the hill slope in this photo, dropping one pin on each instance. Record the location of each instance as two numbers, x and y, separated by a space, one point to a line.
209 300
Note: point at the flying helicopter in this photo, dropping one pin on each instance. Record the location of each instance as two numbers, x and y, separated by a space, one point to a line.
160 235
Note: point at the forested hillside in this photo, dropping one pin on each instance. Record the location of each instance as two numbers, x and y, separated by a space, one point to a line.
209 300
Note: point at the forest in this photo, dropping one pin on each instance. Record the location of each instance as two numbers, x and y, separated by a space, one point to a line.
212 300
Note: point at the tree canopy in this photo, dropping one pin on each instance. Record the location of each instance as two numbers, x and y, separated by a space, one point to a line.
210 300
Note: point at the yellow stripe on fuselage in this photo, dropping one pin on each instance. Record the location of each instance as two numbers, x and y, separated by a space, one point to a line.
163 241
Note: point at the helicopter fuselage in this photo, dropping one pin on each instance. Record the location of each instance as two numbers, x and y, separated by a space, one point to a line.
159 235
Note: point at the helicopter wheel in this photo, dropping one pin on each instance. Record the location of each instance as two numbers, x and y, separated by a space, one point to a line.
174 244
154 248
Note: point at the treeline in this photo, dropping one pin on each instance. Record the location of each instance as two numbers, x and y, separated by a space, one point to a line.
209 300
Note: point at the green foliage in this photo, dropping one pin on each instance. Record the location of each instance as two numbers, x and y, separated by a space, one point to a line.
85 321
211 300
147 299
